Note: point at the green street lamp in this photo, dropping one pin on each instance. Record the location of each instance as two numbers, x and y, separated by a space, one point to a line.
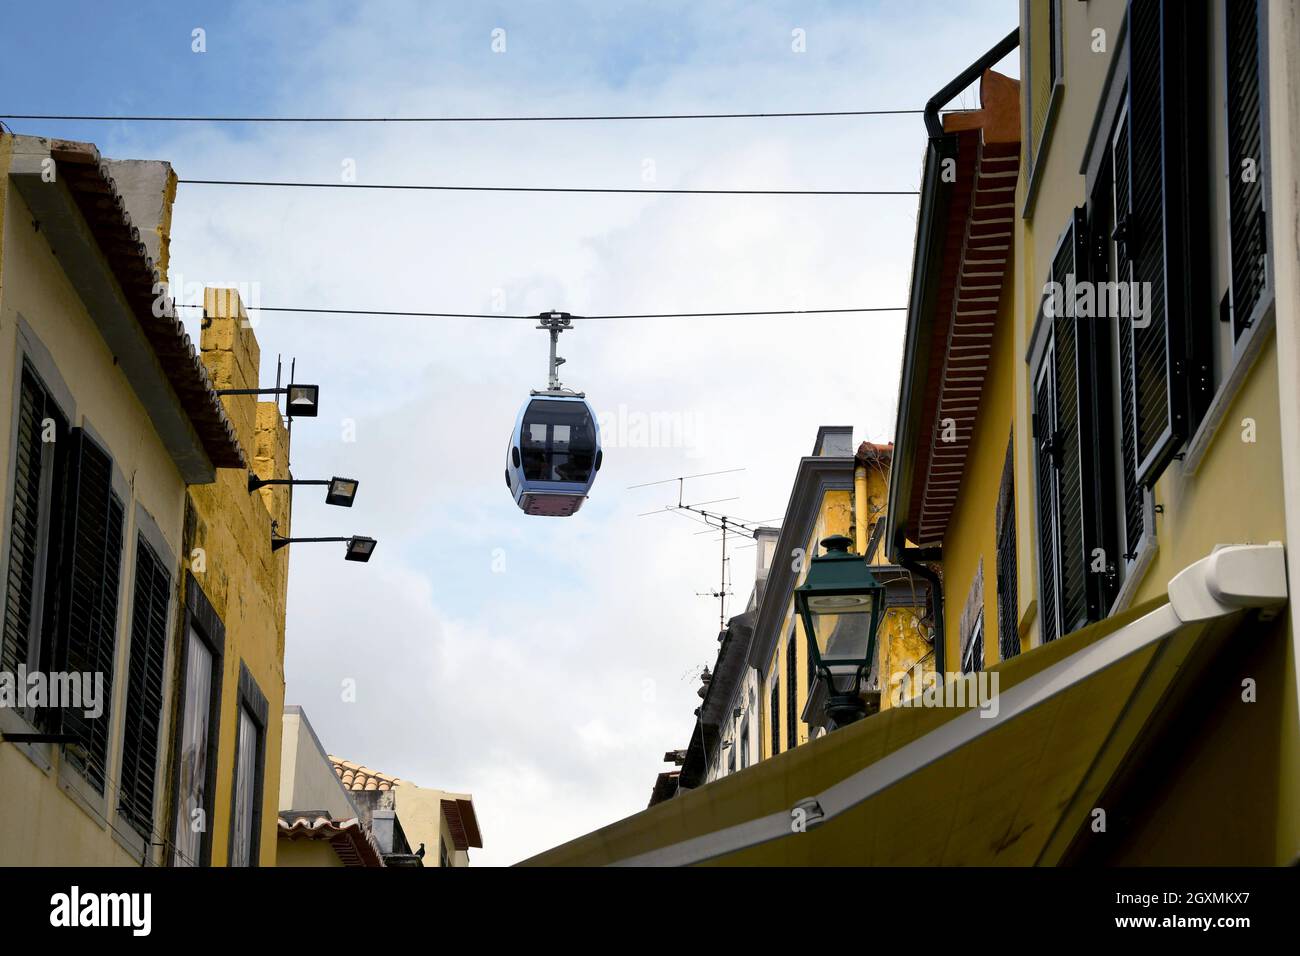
841 604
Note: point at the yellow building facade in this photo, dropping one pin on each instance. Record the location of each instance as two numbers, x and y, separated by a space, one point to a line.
131 550
764 696
108 417
236 606
1107 453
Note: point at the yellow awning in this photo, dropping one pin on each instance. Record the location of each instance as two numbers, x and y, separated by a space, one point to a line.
1009 784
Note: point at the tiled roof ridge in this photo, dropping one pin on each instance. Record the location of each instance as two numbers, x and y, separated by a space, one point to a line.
89 178
355 776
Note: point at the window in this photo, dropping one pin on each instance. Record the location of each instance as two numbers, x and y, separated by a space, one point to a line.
791 690
36 522
1109 207
1122 371
196 741
1045 456
1045 68
970 627
1162 230
246 799
1008 596
558 441
972 658
773 716
195 805
144 693
444 858
1247 226
731 756
88 603
1124 531
1069 408
743 744
242 851
809 663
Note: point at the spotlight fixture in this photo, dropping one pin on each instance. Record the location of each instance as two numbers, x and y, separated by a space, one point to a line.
342 491
304 400
359 547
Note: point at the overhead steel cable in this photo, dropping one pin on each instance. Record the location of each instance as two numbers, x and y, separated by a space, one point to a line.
597 118
554 189
533 317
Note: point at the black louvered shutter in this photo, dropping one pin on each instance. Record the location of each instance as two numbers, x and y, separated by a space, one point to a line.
144 693
791 691
1132 488
1045 454
1246 161
90 589
1164 231
1008 594
40 470
1082 435
25 542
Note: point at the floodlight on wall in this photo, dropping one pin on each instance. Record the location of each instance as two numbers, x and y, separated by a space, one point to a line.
359 547
342 491
303 400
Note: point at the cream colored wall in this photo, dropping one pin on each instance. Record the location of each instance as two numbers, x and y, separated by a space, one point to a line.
303 852
39 823
419 810
1284 119
307 778
1235 496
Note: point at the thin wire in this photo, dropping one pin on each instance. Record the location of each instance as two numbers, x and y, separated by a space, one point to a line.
705 474
555 189
92 797
100 118
499 315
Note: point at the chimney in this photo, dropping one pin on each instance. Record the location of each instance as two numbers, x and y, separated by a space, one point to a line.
148 188
765 538
834 441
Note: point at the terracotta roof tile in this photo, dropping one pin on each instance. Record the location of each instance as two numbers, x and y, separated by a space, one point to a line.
354 844
92 186
353 776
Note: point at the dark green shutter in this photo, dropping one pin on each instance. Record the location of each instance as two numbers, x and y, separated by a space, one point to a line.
24 542
1008 595
1165 231
1133 526
90 589
144 695
791 691
36 523
1073 391
1246 224
1045 453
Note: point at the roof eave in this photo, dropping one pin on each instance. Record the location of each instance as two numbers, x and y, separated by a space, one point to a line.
935 200
154 352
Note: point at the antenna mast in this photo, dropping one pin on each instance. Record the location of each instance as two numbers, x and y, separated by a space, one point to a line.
716 521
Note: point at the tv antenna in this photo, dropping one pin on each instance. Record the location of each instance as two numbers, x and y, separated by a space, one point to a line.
715 522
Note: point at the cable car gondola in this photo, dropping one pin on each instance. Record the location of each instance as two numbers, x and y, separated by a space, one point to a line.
554 451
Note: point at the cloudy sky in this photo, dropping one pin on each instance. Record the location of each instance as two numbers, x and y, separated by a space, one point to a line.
545 665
